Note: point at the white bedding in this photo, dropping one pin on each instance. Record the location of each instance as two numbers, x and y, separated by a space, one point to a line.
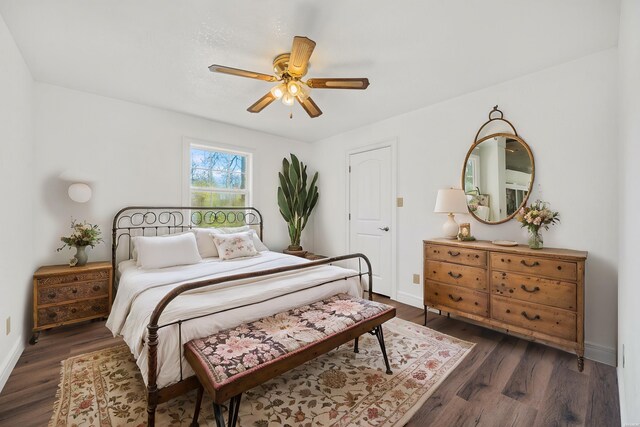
140 290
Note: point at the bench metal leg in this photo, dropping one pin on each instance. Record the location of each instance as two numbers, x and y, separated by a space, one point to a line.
196 413
234 408
377 331
355 345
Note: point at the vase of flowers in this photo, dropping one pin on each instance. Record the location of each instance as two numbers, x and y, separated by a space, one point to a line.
536 217
83 235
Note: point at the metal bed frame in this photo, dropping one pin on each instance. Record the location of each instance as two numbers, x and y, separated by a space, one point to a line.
156 221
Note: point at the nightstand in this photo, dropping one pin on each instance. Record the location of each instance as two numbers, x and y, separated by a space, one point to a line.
313 257
63 295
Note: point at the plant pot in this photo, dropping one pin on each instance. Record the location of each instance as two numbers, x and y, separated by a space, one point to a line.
81 256
295 251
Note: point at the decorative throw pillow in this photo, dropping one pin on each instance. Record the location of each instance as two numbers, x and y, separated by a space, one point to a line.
169 251
235 245
260 247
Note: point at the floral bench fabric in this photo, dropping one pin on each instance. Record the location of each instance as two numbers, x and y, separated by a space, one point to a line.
237 352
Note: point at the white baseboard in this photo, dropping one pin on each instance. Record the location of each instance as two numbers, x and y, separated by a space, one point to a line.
409 299
10 361
600 353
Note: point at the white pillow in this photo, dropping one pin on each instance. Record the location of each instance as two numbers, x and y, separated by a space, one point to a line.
169 251
134 251
235 245
260 247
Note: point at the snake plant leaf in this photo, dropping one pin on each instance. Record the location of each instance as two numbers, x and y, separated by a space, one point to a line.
283 204
284 186
296 164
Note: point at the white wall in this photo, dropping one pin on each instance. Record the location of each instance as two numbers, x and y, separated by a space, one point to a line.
567 114
629 267
135 154
16 193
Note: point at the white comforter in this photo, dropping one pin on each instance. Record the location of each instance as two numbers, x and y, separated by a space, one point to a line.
139 292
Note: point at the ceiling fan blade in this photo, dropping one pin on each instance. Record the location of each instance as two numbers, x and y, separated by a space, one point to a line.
261 103
310 107
242 73
300 53
338 83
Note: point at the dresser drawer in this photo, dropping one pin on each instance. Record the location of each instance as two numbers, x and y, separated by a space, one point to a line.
83 290
73 311
555 293
534 266
458 255
456 274
461 299
535 317
73 278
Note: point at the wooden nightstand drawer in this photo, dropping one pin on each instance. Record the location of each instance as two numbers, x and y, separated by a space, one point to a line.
555 293
456 274
534 266
73 311
457 255
64 293
461 299
73 278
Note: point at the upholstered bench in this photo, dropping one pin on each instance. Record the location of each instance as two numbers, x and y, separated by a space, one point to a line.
235 360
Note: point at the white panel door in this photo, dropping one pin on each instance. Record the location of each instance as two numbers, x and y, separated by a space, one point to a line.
370 207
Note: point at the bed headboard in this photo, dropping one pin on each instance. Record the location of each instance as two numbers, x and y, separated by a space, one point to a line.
159 220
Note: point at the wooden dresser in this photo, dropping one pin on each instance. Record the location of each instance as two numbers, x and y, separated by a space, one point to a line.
64 295
535 294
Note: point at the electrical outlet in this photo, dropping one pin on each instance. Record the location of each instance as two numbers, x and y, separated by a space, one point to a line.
8 325
416 279
400 202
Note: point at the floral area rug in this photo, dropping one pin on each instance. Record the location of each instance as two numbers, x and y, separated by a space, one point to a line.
340 388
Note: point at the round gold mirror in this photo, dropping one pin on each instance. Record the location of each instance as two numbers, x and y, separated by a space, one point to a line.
497 176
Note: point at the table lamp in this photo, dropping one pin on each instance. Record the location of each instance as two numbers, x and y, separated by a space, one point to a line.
451 201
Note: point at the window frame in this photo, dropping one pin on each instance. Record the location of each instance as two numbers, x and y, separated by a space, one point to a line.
189 143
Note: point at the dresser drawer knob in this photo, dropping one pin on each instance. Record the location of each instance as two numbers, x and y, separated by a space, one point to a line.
454 275
526 264
52 315
74 291
531 291
73 310
526 316
96 288
75 278
452 298
453 253
51 295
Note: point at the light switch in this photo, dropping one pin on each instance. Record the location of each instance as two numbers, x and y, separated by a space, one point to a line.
416 279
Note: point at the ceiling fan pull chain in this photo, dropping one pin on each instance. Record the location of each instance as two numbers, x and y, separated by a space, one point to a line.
291 115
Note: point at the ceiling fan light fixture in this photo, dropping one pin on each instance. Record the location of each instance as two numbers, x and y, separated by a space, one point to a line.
279 90
287 99
293 87
304 92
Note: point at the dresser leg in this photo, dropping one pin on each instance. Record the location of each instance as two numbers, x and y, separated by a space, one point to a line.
425 315
34 338
580 363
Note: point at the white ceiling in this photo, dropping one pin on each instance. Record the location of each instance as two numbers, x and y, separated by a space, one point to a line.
414 52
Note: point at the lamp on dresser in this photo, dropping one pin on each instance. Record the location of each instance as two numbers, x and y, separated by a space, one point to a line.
451 201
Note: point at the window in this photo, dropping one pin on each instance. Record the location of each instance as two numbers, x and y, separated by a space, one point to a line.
218 177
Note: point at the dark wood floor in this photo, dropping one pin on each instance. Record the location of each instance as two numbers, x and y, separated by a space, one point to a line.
505 381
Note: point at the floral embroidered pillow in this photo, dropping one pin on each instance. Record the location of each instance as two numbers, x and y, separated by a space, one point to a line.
235 245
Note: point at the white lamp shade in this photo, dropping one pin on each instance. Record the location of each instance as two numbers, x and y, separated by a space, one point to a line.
452 200
79 192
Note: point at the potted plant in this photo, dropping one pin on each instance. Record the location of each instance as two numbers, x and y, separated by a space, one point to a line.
296 200
84 234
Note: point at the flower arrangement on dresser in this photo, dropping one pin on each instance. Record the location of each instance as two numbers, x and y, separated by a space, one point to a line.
84 234
536 217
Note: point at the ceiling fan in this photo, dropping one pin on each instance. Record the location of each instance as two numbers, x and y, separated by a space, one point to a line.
290 68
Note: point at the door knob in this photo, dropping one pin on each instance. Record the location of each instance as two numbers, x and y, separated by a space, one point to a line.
383 228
